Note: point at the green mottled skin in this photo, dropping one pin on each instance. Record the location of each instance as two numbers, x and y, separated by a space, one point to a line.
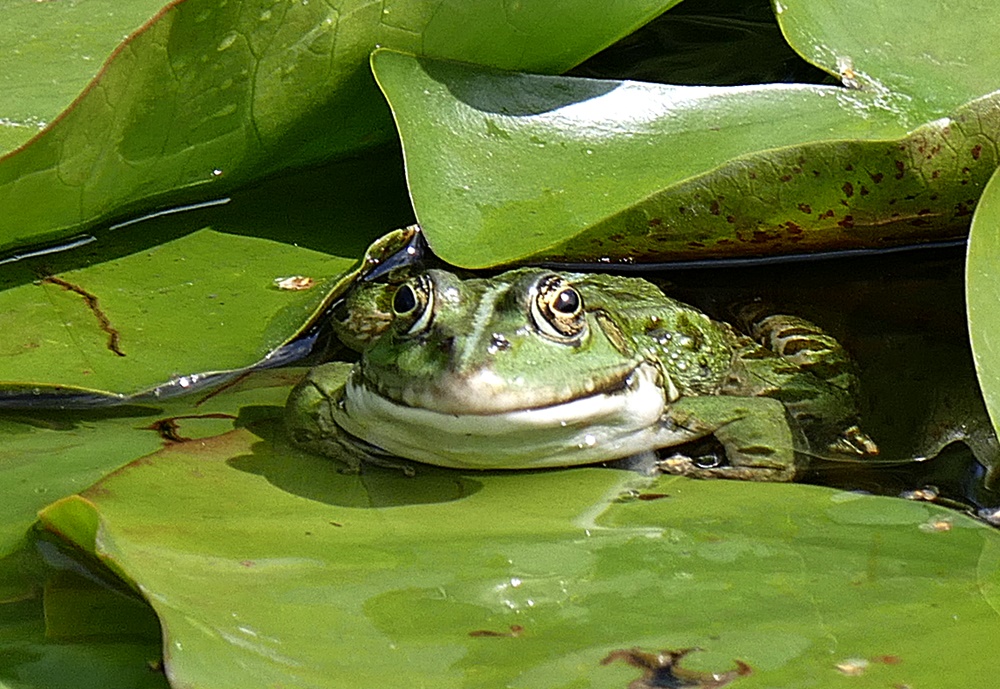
496 357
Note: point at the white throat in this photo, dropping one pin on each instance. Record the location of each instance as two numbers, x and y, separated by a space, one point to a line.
596 428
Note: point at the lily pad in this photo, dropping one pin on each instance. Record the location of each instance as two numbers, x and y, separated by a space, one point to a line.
627 171
983 295
204 303
267 565
211 95
51 50
47 455
30 660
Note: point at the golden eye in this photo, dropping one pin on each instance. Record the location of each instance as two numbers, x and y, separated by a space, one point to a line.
557 309
567 302
413 303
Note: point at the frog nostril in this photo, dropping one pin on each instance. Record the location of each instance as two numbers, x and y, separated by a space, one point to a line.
498 343
447 345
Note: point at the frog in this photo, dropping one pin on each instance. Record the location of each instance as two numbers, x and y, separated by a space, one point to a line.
536 368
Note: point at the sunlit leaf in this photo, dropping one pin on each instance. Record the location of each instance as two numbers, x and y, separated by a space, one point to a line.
214 94
203 303
983 295
625 171
50 51
267 565
925 58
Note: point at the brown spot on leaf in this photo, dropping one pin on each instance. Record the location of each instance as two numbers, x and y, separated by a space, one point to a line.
103 322
864 190
696 245
961 209
713 207
169 430
682 210
515 631
847 223
793 228
663 669
805 208
849 167
785 178
976 151
877 177
655 222
731 219
887 660
919 222
924 211
827 214
848 189
900 169
935 174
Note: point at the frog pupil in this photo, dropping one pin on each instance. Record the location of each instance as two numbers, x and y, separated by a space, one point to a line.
567 301
404 301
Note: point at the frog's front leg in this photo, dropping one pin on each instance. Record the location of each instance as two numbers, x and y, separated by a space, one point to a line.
753 431
309 418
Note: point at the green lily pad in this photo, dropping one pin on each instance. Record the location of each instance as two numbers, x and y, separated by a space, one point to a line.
32 661
266 565
47 455
52 49
206 302
983 295
211 95
923 57
626 171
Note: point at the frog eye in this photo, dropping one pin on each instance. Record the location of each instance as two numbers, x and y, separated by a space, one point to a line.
557 309
413 303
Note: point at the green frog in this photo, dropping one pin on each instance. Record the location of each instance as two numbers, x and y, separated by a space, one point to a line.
535 368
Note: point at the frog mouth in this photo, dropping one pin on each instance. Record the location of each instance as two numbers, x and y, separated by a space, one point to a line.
640 397
484 394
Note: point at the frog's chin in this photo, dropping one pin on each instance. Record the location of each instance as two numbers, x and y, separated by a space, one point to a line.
604 426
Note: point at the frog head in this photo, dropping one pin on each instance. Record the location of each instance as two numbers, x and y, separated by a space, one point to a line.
487 346
512 371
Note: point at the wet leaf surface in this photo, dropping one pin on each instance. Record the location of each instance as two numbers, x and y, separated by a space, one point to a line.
983 295
51 50
211 95
205 302
46 456
255 553
628 171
